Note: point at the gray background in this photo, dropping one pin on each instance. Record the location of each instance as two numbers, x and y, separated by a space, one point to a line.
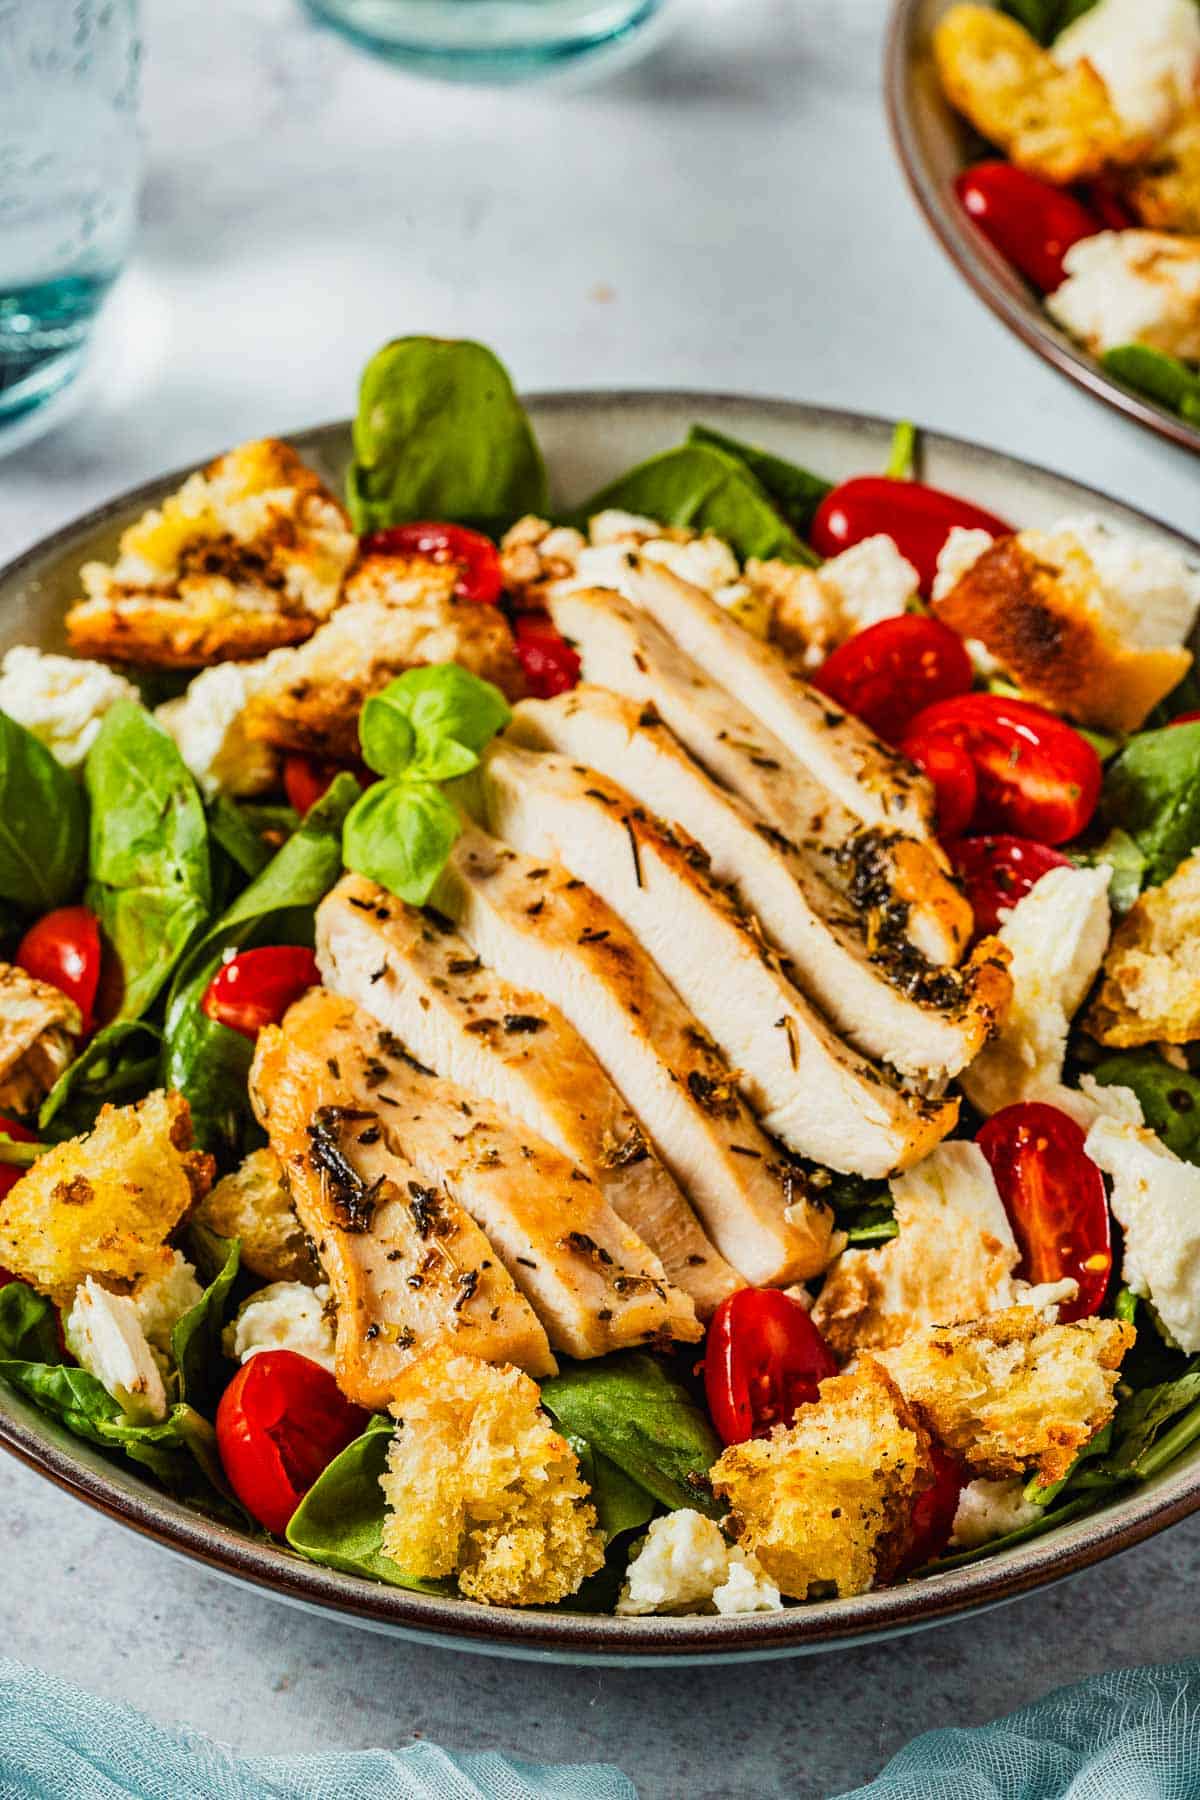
724 215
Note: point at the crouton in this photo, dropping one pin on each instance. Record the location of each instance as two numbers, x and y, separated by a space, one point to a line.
1164 191
827 1504
1151 988
254 1205
104 1204
1058 123
534 553
38 1029
481 1486
1008 1392
248 555
398 612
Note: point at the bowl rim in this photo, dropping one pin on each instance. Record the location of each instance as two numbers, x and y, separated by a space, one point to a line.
596 1637
982 267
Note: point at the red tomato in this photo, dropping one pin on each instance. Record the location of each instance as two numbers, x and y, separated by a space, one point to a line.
952 773
1054 1197
551 666
1030 223
933 1515
256 987
919 519
887 673
306 778
11 1173
999 871
64 949
764 1357
1038 778
480 576
281 1422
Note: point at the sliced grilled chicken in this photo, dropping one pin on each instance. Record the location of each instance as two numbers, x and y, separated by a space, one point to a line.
407 1265
538 925
928 1033
424 983
897 881
810 1090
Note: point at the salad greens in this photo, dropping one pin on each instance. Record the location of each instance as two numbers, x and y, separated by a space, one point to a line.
42 823
1163 378
118 1064
795 492
1045 19
707 490
340 1520
196 1338
1152 792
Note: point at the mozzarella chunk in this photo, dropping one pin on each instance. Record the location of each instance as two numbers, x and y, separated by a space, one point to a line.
1132 287
991 1509
60 699
1147 52
616 527
287 1315
684 1565
960 552
105 1335
1156 1201
1147 592
1091 1101
161 1298
207 724
814 610
1057 935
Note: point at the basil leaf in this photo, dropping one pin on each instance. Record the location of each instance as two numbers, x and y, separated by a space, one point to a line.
42 830
200 1363
795 491
119 1064
1170 1097
621 1503
1152 791
400 833
431 723
340 1520
28 1325
386 734
707 490
1162 378
440 434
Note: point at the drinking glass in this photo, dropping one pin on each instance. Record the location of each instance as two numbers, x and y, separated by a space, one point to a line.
491 40
69 167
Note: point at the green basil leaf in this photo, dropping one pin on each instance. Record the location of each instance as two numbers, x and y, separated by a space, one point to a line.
1152 791
119 1064
795 491
200 1364
386 734
1170 1097
42 827
422 723
340 1520
707 490
28 1325
400 834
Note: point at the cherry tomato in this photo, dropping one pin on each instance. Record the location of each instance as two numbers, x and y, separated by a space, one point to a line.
256 987
764 1358
917 518
933 1515
1037 777
551 666
280 1423
887 673
999 871
11 1173
306 778
1030 223
480 579
63 948
952 773
1105 201
1054 1196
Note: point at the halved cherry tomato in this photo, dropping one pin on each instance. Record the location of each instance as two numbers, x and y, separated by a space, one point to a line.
256 987
763 1359
551 666
952 773
933 1515
917 518
280 1423
1030 223
306 778
480 579
998 871
1038 778
889 672
63 948
1054 1196
11 1173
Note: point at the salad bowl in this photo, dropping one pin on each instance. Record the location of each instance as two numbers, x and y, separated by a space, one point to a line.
586 439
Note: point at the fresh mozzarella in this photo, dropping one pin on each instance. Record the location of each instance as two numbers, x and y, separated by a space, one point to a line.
208 727
991 1509
1091 1101
1147 52
60 699
161 1299
105 1335
684 1565
1132 287
287 1315
1147 592
960 552
1156 1201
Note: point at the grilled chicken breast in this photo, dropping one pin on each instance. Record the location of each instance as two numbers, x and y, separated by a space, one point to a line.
536 924
424 983
407 1265
927 1023
810 1090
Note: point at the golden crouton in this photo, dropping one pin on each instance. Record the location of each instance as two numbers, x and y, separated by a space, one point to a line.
534 553
38 1027
1035 601
1059 123
253 1204
247 556
1164 191
827 1504
482 1487
1151 988
105 1204
398 612
1008 1392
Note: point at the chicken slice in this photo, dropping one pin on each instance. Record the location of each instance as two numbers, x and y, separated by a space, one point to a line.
408 1266
536 924
39 1028
424 983
928 1028
818 1097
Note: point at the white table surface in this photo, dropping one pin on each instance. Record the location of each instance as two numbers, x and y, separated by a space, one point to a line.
724 215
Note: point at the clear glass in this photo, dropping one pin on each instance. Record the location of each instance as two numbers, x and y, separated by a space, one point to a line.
70 160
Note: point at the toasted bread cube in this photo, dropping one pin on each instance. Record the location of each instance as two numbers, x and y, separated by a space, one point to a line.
38 1029
1008 1392
827 1504
254 1205
1151 988
104 1204
1058 123
482 1487
249 554
1164 191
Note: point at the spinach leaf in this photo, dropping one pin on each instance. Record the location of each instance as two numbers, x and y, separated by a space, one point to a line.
400 834
1045 19
1170 1097
119 1064
795 492
340 1520
196 1337
630 1409
235 834
863 1208
28 1325
150 880
1128 865
1163 378
621 1503
440 434
707 490
42 828
1152 791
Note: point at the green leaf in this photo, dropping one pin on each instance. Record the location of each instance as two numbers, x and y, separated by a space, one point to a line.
28 1325
196 1337
1045 19
400 834
431 723
440 434
19 1153
119 1064
630 1409
1162 378
1140 1445
340 1520
42 829
621 1503
1050 1520
795 491
1152 791
1128 865
233 830
385 733
1170 1097
706 490
903 456
150 880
